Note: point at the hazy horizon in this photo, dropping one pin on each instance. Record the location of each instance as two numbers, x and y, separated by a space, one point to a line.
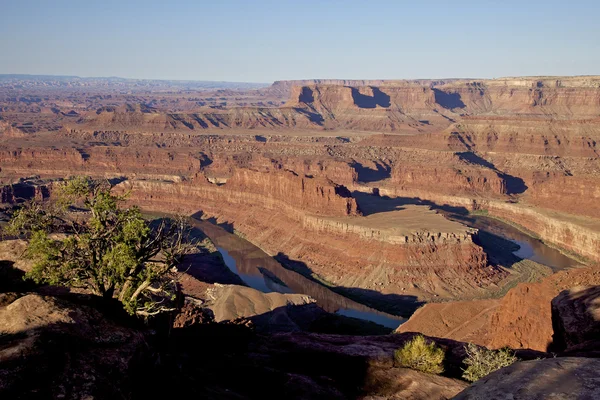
266 41
292 79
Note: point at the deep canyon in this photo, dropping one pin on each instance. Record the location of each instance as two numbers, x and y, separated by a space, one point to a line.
372 197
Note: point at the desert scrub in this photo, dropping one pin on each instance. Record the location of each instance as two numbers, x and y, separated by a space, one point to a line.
421 355
481 361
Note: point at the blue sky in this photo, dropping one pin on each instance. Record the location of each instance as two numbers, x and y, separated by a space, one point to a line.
262 41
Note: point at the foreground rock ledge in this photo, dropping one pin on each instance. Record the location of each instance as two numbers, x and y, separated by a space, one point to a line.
576 319
52 348
553 378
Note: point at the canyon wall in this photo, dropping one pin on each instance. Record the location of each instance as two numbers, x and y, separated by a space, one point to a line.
307 217
382 106
290 176
346 254
571 232
520 320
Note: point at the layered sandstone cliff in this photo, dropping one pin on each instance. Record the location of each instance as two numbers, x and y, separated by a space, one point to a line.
347 251
523 149
521 319
388 106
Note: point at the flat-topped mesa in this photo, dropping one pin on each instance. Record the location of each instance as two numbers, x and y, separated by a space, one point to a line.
387 235
335 98
418 106
526 81
460 97
284 88
421 106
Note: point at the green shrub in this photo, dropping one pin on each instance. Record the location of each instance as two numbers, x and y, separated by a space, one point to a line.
421 355
109 250
481 361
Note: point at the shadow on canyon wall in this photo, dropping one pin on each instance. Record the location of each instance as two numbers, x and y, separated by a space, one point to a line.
366 174
312 116
306 96
514 184
260 138
116 180
379 98
200 121
498 250
228 226
395 304
373 204
448 100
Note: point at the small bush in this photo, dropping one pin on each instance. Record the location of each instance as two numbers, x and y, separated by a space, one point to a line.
421 355
481 361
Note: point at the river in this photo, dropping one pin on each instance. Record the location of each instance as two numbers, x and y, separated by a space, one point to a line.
528 247
262 272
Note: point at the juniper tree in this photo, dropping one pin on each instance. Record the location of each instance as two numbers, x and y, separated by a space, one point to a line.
85 239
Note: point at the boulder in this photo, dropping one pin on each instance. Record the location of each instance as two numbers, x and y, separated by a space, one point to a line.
11 251
551 378
576 319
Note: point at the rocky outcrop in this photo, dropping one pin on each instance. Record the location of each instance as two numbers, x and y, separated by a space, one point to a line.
316 195
522 319
346 253
553 378
8 132
465 321
56 348
11 252
367 361
269 311
576 319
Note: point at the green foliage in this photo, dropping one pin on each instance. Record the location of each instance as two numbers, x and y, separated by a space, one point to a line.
481 362
421 355
102 247
32 218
